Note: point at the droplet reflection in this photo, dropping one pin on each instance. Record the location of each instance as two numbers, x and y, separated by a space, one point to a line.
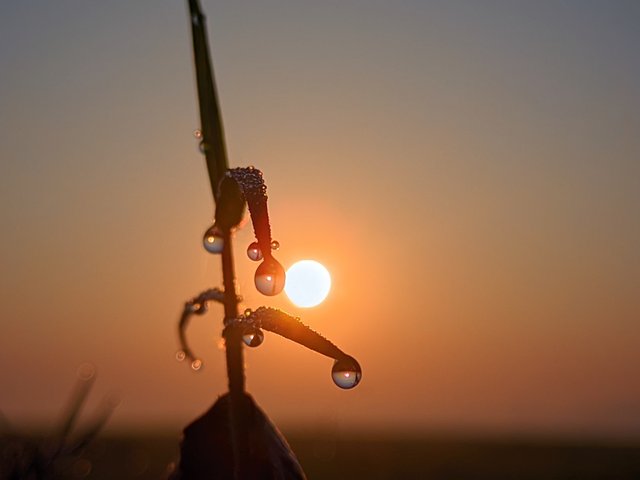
212 240
254 252
346 373
270 277
253 337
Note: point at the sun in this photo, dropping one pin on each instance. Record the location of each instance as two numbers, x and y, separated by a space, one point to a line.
308 283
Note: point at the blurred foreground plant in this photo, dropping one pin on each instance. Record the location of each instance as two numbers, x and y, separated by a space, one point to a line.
235 439
58 456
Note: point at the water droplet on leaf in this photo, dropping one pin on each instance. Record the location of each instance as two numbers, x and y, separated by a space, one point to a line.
275 245
198 134
270 277
180 355
254 252
346 373
248 312
203 147
253 337
212 240
196 364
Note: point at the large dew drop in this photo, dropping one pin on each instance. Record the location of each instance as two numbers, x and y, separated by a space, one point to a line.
270 277
253 337
346 373
254 252
212 240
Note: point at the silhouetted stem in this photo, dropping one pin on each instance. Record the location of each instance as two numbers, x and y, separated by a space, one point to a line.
217 164
235 364
210 118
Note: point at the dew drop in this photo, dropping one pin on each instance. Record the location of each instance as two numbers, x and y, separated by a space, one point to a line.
198 134
203 147
180 355
212 240
346 373
196 364
248 312
86 371
270 277
254 252
275 245
253 337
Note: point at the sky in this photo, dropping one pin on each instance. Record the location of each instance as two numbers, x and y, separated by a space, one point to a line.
468 171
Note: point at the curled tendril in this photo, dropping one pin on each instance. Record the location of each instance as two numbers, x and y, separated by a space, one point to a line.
290 327
197 305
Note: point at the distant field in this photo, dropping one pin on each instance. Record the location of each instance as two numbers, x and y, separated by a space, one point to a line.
387 457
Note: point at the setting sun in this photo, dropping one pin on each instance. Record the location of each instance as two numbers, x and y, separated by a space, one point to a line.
308 283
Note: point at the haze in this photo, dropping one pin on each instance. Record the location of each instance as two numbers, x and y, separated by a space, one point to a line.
467 171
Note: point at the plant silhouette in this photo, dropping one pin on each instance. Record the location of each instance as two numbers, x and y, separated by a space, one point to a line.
235 439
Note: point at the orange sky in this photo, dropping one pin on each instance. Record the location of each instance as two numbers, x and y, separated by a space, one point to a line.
468 175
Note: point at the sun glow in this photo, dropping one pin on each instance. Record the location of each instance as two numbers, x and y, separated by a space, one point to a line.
308 283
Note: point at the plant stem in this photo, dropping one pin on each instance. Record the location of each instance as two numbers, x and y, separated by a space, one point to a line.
235 365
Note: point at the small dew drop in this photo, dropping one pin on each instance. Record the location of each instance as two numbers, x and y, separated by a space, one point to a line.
253 337
203 147
254 252
196 364
212 240
180 355
270 277
86 371
248 312
275 245
346 373
198 134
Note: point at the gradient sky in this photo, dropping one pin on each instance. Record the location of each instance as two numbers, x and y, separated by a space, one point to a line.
469 172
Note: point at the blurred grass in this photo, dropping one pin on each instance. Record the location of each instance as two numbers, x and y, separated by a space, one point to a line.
326 456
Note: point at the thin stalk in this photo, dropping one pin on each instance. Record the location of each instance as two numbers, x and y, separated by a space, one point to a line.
235 365
212 129
215 152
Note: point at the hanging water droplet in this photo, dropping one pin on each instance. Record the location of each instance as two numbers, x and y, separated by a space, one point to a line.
270 277
86 371
212 240
254 252
253 337
198 134
180 355
196 364
275 245
346 373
